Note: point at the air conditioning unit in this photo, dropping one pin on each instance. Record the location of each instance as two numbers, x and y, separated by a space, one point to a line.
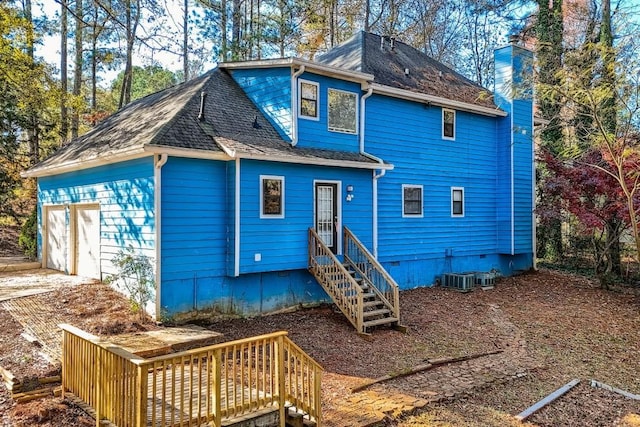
460 281
485 279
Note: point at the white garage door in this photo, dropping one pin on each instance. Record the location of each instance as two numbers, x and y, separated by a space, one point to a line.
56 238
88 241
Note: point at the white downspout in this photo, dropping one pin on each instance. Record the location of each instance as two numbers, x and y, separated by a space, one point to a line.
157 172
375 176
236 243
294 105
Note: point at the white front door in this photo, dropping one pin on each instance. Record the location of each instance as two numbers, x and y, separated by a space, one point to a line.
56 238
88 241
327 214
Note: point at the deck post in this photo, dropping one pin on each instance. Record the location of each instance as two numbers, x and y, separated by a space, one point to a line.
281 379
217 390
141 395
98 382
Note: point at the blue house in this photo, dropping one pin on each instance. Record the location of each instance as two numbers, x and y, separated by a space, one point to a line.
268 184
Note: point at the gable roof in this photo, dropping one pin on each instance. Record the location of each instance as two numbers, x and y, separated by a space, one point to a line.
373 54
167 121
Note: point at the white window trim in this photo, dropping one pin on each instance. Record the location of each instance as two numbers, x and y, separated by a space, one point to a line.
355 132
464 208
450 138
421 214
317 85
271 216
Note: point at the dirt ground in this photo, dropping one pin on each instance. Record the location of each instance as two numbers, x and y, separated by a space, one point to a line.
573 329
9 240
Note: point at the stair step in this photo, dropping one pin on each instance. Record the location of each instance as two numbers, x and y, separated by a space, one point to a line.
378 312
368 295
376 322
373 303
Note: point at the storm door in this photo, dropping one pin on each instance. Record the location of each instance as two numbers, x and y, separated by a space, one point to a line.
327 214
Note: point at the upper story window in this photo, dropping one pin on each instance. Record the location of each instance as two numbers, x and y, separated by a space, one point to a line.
343 111
308 103
457 201
411 200
448 124
271 196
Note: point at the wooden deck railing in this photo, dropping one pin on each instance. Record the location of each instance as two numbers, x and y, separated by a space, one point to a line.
372 272
213 384
336 280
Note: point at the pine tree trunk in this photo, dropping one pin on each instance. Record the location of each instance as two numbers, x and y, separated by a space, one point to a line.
77 73
185 41
64 33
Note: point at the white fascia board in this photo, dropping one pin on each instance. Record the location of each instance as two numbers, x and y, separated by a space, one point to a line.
312 67
319 162
436 100
86 163
186 152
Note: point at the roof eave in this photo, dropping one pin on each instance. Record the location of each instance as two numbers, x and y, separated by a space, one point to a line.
186 152
86 163
310 66
317 161
436 100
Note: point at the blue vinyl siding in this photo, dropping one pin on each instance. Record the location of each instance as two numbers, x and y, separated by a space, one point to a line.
316 133
282 243
198 200
194 218
408 135
270 90
125 192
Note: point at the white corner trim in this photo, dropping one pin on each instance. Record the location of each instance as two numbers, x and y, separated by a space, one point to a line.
159 162
236 242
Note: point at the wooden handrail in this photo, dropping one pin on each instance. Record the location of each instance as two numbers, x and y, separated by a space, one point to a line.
349 299
209 384
391 296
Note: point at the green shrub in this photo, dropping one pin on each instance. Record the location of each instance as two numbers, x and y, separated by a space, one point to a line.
28 240
135 275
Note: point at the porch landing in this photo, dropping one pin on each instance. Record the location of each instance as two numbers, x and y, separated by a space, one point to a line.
164 341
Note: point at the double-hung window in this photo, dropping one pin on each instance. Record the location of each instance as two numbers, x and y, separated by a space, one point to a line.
271 196
448 124
411 201
457 201
343 111
308 103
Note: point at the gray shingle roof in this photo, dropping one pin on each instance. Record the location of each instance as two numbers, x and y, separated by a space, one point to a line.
170 119
363 53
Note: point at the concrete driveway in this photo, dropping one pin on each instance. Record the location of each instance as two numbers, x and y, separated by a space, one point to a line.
21 283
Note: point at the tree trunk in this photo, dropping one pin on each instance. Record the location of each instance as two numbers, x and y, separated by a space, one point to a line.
185 41
77 72
223 30
64 33
236 30
132 20
32 130
549 32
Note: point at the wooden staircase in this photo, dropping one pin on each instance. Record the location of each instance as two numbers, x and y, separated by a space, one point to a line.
361 288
